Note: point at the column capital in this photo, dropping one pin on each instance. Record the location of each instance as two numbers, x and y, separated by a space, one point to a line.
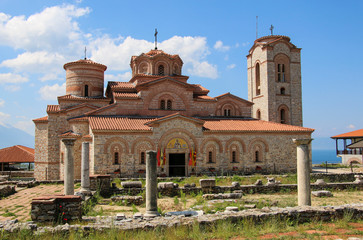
305 141
68 141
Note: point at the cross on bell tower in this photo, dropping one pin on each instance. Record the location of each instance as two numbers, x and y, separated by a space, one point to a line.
156 38
272 30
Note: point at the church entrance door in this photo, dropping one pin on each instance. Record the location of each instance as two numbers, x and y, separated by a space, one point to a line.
176 164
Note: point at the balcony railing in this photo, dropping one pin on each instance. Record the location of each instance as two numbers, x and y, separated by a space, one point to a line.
357 151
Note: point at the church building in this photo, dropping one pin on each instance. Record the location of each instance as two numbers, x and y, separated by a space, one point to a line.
157 109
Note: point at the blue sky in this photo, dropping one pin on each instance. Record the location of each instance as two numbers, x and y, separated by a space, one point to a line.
212 37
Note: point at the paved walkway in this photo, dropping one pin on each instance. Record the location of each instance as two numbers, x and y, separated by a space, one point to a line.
17 206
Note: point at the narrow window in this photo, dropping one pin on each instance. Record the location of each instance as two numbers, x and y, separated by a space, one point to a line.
116 158
258 114
142 158
282 116
257 156
227 112
86 90
281 73
168 105
258 83
161 70
162 104
234 156
210 156
282 91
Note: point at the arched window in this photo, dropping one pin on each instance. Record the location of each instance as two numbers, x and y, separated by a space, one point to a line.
86 90
283 116
169 105
161 70
227 112
210 156
282 91
162 104
142 158
234 156
258 114
257 156
281 76
258 82
116 158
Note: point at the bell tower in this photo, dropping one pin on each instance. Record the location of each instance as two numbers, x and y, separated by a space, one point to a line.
274 80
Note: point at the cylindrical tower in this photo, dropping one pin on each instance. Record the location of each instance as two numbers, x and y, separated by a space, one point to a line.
85 78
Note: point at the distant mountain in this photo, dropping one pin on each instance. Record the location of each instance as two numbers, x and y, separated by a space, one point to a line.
10 136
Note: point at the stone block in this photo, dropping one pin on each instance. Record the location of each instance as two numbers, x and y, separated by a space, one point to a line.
232 209
258 182
358 179
133 184
120 216
235 184
322 193
249 206
207 183
320 182
165 185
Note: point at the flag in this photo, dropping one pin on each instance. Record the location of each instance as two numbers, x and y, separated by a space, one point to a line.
191 158
161 158
164 158
158 157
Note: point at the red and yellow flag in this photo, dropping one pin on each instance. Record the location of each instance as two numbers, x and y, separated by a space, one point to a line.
158 157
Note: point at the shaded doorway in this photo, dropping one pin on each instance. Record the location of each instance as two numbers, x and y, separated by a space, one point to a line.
176 164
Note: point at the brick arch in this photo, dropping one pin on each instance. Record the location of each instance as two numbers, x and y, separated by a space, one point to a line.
220 107
354 159
173 132
140 140
158 93
235 139
116 140
214 139
257 140
287 113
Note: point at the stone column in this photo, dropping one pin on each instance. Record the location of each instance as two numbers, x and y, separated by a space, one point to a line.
69 167
303 171
85 181
151 185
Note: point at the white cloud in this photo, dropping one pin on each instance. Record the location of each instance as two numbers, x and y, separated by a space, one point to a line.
219 46
3 118
351 126
122 76
2 102
26 126
52 92
204 69
117 52
36 62
50 29
116 55
12 78
231 66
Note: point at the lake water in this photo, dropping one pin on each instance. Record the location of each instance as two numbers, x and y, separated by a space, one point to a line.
321 156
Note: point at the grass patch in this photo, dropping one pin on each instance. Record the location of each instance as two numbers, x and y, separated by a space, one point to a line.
8 214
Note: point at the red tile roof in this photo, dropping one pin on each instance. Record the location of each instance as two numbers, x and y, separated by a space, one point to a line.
72 97
53 108
205 98
200 88
126 95
69 134
240 125
119 123
217 125
85 61
121 85
155 52
353 134
42 119
18 153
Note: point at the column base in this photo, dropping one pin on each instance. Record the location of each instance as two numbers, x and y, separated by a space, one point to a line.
151 214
